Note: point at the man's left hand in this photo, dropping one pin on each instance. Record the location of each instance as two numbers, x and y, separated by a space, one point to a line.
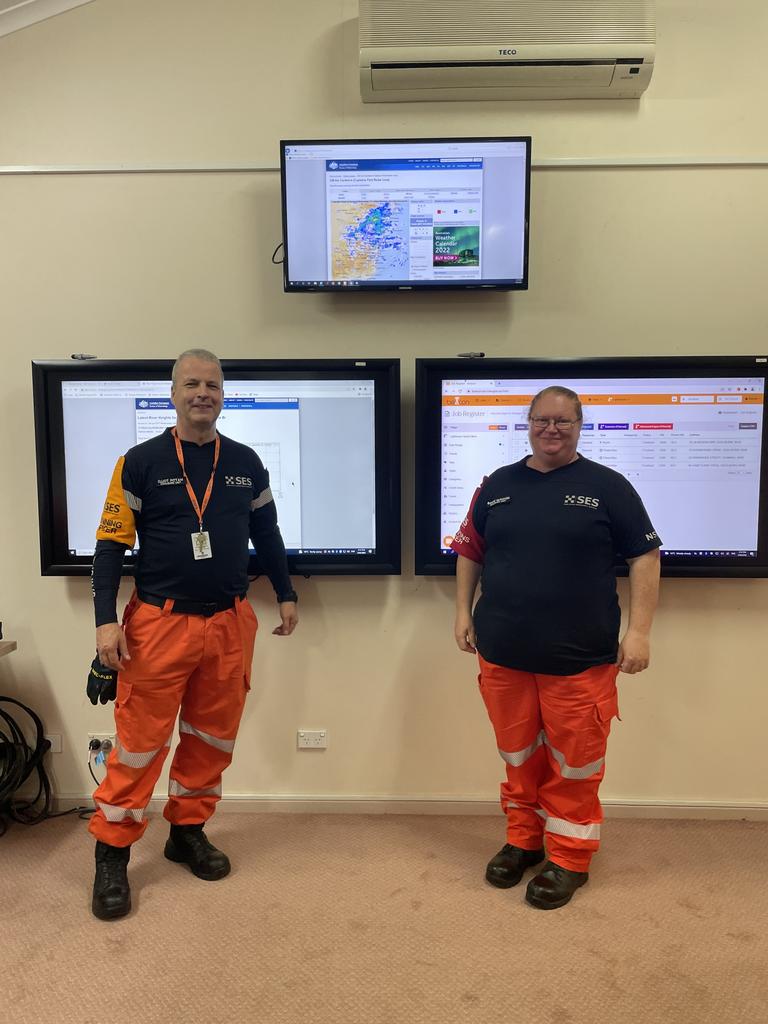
634 653
289 614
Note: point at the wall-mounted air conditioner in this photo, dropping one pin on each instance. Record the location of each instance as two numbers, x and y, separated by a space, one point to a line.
505 49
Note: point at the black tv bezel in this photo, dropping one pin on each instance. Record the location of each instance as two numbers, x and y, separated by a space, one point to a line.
429 559
409 286
47 376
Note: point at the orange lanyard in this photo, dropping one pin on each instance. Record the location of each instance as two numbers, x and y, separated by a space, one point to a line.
200 511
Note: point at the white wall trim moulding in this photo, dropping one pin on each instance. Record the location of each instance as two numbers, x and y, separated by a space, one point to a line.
22 13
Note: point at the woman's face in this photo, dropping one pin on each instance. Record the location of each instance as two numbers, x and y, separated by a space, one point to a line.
554 442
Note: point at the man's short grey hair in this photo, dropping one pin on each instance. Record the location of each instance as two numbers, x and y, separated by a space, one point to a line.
195 353
558 389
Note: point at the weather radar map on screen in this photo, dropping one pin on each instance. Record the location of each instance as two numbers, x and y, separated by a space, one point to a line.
406 213
368 240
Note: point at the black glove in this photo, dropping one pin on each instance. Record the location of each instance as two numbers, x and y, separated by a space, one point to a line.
102 683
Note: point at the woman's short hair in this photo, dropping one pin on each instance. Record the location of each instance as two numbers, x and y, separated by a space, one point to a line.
558 389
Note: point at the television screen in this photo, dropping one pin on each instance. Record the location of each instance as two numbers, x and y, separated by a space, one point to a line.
690 435
327 431
405 213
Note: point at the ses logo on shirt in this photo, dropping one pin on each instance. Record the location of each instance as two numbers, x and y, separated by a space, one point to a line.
581 499
238 481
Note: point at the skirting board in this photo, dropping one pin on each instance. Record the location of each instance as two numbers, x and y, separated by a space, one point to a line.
250 804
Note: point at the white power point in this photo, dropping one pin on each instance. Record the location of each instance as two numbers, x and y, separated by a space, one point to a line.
54 738
311 739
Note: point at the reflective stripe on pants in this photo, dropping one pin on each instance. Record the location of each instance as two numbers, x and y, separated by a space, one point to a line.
552 732
198 667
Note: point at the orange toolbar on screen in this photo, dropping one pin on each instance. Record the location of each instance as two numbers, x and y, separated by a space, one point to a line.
616 399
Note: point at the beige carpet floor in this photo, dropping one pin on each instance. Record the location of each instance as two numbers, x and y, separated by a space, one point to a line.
368 919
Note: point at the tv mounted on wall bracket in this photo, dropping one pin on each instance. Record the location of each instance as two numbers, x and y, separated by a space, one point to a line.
405 214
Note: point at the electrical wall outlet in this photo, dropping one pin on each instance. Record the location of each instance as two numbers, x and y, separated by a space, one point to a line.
311 739
107 739
54 738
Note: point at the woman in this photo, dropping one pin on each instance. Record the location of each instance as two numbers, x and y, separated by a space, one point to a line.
543 536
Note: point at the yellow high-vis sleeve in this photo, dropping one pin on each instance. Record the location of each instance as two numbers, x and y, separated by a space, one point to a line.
117 519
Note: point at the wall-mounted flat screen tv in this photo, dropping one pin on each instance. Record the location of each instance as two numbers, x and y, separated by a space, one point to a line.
328 431
690 434
407 214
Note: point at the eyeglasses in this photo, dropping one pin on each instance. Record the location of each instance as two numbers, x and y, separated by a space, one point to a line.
542 422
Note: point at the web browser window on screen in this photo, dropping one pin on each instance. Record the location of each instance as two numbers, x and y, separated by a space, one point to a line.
404 219
403 213
690 447
316 439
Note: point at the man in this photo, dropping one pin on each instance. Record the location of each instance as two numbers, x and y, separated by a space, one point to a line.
186 642
544 535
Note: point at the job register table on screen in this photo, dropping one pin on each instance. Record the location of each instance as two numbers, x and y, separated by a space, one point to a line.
678 441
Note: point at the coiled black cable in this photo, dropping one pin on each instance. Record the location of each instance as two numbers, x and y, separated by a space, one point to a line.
19 760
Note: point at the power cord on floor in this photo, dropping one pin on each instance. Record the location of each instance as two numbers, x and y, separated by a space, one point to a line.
18 761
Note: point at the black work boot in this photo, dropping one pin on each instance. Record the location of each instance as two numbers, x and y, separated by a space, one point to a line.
554 886
507 867
188 845
111 892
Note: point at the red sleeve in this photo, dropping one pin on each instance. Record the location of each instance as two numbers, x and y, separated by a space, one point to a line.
467 541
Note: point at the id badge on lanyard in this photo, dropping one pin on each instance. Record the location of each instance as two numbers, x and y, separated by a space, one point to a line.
201 545
201 539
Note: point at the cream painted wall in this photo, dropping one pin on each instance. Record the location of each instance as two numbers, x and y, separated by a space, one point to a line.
630 261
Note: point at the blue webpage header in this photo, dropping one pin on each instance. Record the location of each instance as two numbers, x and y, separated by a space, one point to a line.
229 403
416 164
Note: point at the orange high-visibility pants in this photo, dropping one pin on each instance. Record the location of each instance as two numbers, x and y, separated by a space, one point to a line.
552 732
189 666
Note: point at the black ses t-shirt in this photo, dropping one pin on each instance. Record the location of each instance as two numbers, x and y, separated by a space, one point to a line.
551 543
148 496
